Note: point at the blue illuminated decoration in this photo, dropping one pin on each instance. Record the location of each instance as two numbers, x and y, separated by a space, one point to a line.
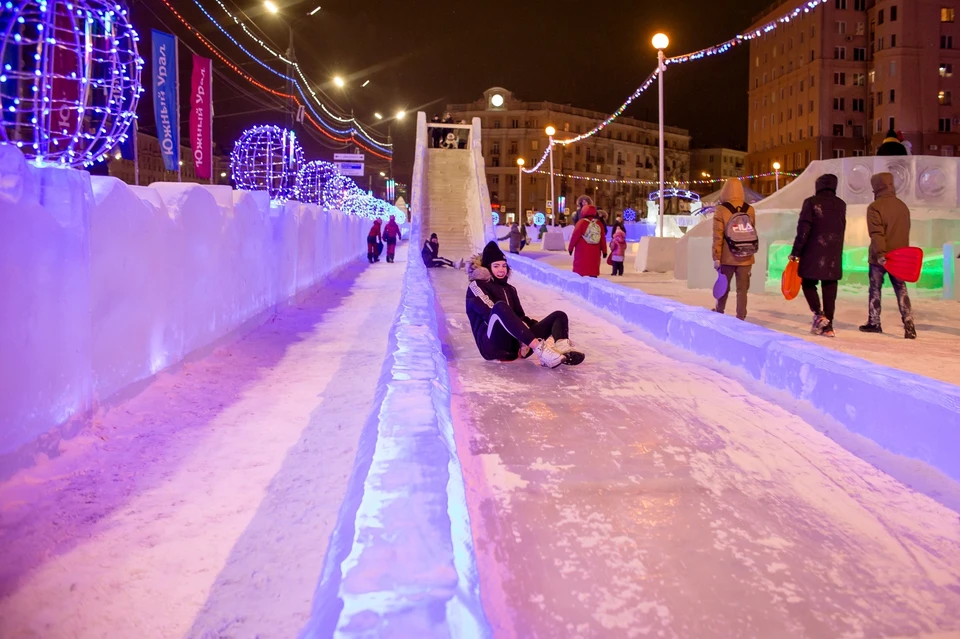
629 215
683 194
539 219
335 190
70 79
496 218
312 178
267 158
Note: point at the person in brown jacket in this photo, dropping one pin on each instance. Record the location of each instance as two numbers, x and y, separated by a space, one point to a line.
726 259
888 222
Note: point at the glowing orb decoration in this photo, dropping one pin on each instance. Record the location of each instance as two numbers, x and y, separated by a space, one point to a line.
335 190
539 219
496 218
69 80
312 178
629 215
267 158
496 100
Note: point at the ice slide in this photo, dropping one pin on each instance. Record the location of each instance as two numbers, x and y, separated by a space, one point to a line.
641 493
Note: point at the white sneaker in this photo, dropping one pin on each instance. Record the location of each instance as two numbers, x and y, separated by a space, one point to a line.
563 346
549 358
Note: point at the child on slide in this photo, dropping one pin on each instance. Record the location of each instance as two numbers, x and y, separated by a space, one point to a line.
500 327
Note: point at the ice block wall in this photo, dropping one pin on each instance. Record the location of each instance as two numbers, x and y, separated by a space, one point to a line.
103 284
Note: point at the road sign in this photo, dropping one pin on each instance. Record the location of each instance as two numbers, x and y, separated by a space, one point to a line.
350 169
349 157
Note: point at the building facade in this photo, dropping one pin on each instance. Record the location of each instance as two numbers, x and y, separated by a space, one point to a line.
716 164
832 82
627 149
152 169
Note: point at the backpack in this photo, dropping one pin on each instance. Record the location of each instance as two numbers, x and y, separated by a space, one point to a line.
593 232
740 234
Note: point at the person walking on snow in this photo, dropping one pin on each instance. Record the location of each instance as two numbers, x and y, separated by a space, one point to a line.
735 243
500 326
391 235
892 145
582 201
588 243
618 251
373 242
515 237
431 255
888 222
819 249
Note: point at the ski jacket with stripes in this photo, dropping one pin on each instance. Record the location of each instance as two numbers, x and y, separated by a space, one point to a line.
482 293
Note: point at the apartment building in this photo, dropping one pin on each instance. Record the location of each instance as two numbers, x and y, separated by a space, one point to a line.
832 82
627 149
718 164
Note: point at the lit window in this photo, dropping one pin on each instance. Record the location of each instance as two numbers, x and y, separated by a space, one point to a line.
945 97
946 70
946 14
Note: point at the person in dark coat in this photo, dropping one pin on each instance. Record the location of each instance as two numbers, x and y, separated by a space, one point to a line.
435 132
892 145
431 255
819 249
501 328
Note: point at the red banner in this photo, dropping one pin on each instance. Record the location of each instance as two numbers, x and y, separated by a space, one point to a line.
67 94
201 117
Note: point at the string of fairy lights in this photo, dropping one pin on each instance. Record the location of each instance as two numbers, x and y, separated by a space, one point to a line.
639 182
723 47
355 125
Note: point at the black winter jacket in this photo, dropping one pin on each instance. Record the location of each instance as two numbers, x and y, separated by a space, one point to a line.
429 252
485 291
820 231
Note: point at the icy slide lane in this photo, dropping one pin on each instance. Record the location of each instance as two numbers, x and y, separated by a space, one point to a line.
202 507
637 495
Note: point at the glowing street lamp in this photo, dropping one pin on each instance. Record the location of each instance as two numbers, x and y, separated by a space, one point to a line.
776 174
520 164
271 7
378 116
660 42
551 131
339 82
401 114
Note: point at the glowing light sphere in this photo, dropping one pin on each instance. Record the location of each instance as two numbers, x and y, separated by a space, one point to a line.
267 158
496 218
312 178
539 219
629 215
335 190
69 80
496 100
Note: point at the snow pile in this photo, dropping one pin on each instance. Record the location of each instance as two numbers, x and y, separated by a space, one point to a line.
401 560
904 413
103 285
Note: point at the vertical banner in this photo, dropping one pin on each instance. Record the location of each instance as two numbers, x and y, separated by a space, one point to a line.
201 117
165 97
67 94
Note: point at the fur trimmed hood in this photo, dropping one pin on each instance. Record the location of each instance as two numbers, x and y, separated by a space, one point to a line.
476 272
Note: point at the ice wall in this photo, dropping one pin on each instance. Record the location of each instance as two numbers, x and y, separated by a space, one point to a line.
104 284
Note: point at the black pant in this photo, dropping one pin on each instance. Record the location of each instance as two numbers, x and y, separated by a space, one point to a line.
506 332
877 274
438 262
829 297
617 268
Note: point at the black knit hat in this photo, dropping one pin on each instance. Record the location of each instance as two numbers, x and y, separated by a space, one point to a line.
433 236
491 254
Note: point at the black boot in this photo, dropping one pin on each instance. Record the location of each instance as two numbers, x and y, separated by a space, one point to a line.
909 331
871 328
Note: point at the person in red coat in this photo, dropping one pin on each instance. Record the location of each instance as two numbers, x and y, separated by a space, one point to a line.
373 242
588 243
391 235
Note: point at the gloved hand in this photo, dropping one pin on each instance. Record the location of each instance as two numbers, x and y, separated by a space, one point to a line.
794 258
716 265
882 260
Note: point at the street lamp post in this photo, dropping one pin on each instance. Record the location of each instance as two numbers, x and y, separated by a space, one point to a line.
520 214
271 7
660 42
550 131
776 174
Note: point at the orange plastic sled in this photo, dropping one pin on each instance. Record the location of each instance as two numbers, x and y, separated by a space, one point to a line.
790 281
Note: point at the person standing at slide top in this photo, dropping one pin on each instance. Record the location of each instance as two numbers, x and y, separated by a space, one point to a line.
819 249
500 326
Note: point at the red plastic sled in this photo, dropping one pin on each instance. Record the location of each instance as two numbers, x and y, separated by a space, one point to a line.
905 263
790 280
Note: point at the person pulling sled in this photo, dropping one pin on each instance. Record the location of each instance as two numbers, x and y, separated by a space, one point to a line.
374 245
391 235
500 327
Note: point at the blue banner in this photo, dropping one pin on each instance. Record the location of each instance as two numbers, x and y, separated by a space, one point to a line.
165 98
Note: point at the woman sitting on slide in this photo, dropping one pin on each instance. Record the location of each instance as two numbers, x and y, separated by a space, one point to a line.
501 328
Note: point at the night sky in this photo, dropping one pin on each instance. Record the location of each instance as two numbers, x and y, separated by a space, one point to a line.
430 52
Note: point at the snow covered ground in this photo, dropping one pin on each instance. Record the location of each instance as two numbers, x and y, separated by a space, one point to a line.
933 354
640 495
202 506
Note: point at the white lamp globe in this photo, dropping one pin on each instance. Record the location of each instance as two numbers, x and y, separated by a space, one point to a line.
496 100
